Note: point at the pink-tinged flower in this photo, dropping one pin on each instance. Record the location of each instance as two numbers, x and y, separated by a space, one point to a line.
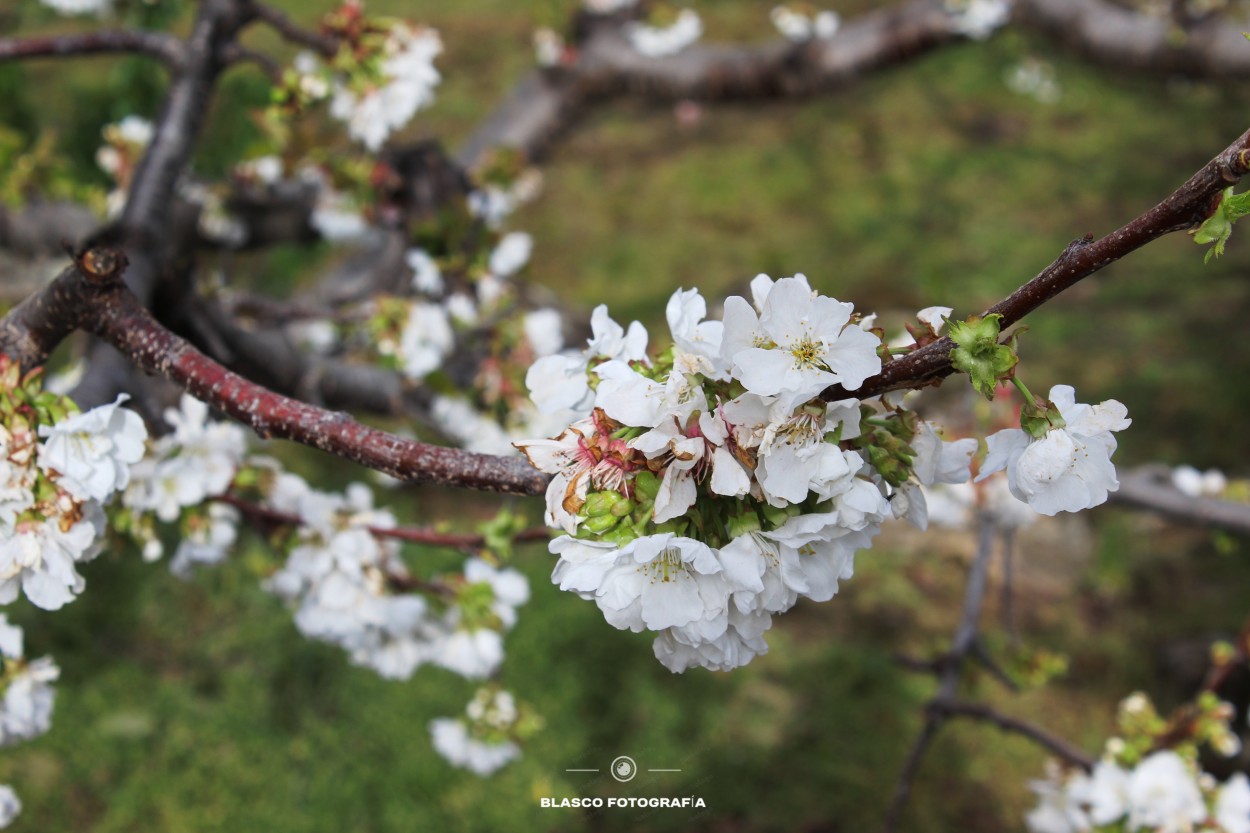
584 455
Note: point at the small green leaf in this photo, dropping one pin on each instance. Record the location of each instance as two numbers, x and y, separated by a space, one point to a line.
978 353
1219 226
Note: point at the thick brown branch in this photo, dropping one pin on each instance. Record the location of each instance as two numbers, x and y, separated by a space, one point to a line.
1122 38
545 103
1152 490
1184 208
165 48
104 306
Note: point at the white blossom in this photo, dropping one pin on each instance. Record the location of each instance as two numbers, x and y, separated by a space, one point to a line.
1034 78
1163 795
427 278
1232 805
10 805
426 340
90 454
408 82
197 460
1067 470
208 541
470 430
26 709
266 170
40 557
798 346
607 6
939 461
336 215
1061 807
511 254
657 42
544 330
799 25
313 335
978 19
452 740
1189 481
559 382
461 309
474 654
78 7
548 47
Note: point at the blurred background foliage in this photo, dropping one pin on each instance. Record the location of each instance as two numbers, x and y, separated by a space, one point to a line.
195 706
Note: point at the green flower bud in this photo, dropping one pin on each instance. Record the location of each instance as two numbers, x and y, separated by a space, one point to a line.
623 507
743 524
599 503
775 516
646 486
600 524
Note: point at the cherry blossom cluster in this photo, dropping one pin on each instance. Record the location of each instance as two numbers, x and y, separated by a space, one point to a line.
666 31
197 460
489 734
703 490
342 574
382 74
26 704
124 143
346 583
978 19
1139 786
799 22
57 468
79 7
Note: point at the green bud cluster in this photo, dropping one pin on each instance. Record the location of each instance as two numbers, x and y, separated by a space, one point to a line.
613 517
887 443
978 353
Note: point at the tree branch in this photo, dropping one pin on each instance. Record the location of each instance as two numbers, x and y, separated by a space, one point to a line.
93 297
1151 489
1125 39
269 516
545 102
1184 208
1052 743
290 31
165 48
945 704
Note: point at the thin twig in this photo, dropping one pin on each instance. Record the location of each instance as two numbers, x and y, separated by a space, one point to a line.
165 48
987 661
1056 745
902 790
292 32
1008 612
950 668
268 516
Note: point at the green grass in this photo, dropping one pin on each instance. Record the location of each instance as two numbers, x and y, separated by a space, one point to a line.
197 707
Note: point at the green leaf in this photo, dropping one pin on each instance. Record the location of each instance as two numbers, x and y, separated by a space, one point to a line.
978 353
1219 226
